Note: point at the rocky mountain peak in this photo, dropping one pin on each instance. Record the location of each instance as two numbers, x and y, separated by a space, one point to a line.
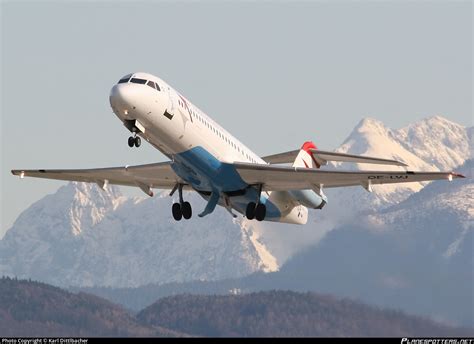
437 140
364 133
369 123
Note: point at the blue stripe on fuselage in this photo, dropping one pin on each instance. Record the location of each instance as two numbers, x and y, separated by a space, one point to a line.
205 173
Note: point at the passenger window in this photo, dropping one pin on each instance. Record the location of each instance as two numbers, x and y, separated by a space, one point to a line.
138 81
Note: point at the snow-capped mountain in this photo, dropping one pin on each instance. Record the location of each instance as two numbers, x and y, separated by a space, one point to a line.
433 141
84 236
432 144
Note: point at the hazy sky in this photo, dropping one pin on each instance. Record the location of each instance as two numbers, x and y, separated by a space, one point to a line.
274 74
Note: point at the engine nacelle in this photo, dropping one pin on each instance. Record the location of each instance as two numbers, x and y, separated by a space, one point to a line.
308 198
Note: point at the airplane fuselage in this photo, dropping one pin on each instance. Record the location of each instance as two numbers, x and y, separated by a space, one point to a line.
201 150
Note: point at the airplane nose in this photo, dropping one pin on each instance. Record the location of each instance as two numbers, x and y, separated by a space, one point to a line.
121 98
113 92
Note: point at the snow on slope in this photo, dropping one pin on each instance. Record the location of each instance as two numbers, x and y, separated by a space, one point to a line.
437 141
84 236
447 229
370 137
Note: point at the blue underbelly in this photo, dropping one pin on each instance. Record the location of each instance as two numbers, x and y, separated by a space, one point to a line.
207 174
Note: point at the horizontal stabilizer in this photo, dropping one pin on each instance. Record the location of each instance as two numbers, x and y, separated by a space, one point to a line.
322 158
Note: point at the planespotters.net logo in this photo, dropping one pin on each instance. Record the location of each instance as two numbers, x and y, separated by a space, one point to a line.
437 341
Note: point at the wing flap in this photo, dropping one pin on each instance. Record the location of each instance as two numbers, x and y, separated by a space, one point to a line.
277 178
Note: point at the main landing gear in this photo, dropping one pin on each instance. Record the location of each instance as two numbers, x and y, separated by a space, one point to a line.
181 209
134 141
256 210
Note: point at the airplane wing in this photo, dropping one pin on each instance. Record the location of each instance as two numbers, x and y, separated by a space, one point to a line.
273 178
146 177
276 178
322 157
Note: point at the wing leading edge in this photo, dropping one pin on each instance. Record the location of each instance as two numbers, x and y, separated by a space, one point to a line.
146 177
279 178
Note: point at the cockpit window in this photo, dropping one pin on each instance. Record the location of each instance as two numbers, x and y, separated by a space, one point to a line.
154 85
138 81
125 79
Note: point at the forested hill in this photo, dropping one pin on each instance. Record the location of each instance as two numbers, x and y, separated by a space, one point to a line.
285 313
36 309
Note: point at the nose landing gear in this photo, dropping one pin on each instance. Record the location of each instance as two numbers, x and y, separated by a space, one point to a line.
134 141
135 127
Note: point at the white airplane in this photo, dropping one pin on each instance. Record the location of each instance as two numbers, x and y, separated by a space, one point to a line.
206 158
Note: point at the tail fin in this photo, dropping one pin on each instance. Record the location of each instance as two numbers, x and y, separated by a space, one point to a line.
305 157
315 198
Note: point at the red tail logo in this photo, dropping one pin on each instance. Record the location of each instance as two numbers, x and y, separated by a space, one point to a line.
307 146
